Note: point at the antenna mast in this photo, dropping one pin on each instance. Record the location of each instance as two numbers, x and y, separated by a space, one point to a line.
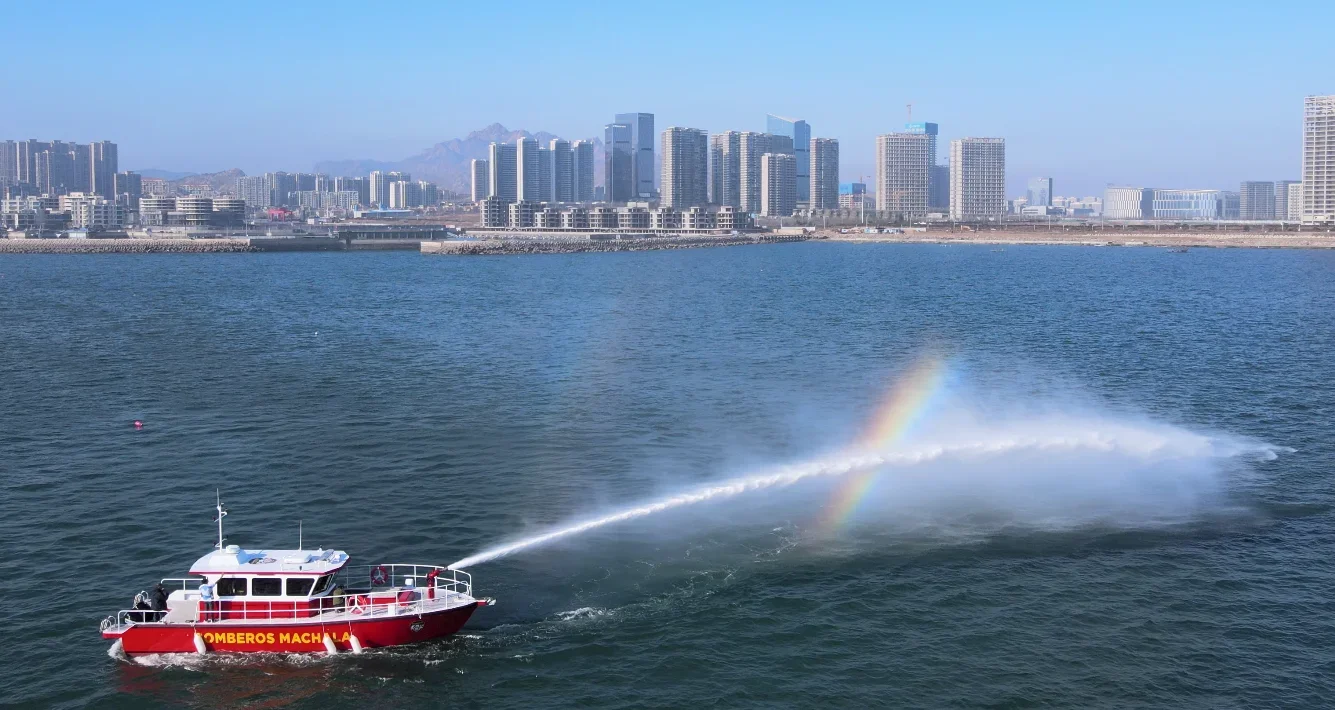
299 534
221 514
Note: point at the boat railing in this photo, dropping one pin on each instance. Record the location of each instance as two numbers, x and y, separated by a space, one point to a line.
373 577
366 591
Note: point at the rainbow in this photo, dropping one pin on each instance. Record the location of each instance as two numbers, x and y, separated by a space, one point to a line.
905 405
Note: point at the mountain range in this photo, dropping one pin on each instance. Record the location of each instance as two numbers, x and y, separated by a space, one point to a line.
447 163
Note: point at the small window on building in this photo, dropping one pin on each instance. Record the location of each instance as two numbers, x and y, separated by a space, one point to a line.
232 587
266 587
323 584
299 586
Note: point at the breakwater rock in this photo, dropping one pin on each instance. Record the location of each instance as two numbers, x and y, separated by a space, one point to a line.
123 246
575 245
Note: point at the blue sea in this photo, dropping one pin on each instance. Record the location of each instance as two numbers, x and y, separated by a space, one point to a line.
1102 477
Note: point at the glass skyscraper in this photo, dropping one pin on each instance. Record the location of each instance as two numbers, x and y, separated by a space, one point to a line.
1040 192
619 161
800 132
642 152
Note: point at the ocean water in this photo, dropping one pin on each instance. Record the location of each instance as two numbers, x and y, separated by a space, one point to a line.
1141 515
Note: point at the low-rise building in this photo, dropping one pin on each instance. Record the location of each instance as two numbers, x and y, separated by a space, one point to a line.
92 212
1190 205
633 218
523 213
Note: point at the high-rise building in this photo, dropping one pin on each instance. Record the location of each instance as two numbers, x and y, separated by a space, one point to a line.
751 147
977 178
778 184
938 188
102 168
942 190
1282 188
1256 200
1228 204
303 182
479 189
546 172
903 172
352 184
129 186
9 167
25 157
725 166
1294 213
376 189
563 187
528 175
428 195
1128 202
501 178
799 132
581 171
1039 193
1319 159
824 190
642 152
685 180
398 195
620 159
59 168
281 185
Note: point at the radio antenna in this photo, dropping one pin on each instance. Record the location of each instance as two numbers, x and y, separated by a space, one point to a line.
221 514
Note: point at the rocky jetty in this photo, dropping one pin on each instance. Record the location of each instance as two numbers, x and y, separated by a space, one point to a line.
124 246
576 245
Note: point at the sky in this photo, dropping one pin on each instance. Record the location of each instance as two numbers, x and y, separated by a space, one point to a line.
1161 94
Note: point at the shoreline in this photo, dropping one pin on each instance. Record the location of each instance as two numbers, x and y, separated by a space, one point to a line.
559 245
1200 240
564 245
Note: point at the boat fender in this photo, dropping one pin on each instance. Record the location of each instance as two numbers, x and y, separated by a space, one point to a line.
200 648
329 646
356 643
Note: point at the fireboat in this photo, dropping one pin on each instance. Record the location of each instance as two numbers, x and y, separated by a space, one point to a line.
262 600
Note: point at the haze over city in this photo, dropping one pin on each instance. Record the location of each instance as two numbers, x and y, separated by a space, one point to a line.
1188 94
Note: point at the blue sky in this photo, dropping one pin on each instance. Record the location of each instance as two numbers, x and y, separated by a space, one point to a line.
1181 94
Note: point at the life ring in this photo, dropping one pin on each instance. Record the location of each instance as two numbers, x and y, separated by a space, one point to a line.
379 576
431 583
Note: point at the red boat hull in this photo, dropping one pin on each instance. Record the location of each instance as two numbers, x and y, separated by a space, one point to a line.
296 637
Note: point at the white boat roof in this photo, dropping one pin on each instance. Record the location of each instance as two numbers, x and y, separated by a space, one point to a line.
235 560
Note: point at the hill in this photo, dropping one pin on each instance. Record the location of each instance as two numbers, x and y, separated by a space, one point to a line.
447 163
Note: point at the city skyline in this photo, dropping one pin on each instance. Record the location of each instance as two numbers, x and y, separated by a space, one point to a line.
1103 120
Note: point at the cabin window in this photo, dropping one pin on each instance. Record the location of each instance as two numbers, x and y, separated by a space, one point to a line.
266 587
232 587
323 584
299 586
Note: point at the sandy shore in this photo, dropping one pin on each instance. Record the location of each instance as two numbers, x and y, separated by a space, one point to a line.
1250 240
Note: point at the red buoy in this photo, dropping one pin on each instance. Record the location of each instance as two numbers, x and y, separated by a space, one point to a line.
138 424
